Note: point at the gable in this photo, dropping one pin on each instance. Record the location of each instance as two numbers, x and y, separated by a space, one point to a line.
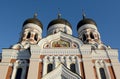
61 72
60 40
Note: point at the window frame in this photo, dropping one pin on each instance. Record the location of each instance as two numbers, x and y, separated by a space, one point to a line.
49 67
73 67
19 72
102 73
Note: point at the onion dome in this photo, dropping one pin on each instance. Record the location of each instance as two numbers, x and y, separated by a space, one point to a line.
86 21
59 21
33 20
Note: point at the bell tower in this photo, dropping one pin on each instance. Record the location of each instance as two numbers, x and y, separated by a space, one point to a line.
32 30
87 31
31 33
101 55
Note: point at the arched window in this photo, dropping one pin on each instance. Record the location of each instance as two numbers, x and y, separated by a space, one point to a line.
91 35
55 32
36 37
49 68
72 67
102 73
84 37
18 73
28 36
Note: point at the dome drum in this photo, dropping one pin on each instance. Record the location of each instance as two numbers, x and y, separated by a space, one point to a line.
59 21
59 27
59 24
31 27
87 26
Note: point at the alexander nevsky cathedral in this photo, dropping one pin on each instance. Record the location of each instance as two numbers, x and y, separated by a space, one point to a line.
59 55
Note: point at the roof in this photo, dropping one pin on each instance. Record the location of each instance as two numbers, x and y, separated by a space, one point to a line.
33 20
86 21
59 21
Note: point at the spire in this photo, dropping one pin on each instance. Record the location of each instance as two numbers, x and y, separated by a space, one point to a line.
59 14
83 14
35 15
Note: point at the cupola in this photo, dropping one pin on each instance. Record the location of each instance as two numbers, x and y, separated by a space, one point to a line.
59 24
33 20
87 31
85 21
32 30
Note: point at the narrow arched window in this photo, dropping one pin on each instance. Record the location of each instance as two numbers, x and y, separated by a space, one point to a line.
102 73
36 37
28 36
18 73
72 67
91 35
49 68
55 32
84 37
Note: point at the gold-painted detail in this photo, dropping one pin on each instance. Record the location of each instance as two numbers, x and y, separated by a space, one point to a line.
60 43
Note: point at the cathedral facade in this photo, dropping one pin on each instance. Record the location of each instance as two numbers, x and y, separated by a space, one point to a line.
59 55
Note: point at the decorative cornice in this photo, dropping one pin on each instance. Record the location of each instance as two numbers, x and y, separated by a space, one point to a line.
105 54
87 26
6 64
32 25
62 51
60 26
15 54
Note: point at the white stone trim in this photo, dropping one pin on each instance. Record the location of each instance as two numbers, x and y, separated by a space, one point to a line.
87 26
20 64
6 64
32 25
57 60
61 27
102 64
105 54
14 54
60 51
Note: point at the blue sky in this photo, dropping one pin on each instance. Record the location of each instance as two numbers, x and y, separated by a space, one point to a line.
13 13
